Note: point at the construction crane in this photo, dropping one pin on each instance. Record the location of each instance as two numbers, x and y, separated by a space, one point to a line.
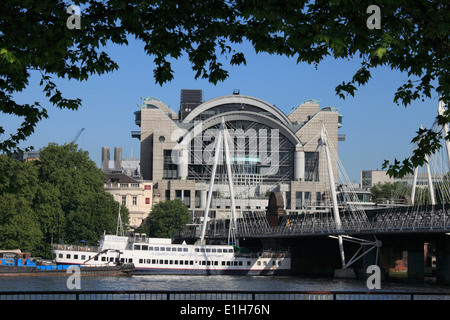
77 135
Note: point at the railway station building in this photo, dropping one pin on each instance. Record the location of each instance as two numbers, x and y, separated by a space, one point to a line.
271 151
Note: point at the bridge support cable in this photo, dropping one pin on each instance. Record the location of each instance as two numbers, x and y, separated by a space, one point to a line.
233 227
211 183
355 211
429 179
364 244
337 219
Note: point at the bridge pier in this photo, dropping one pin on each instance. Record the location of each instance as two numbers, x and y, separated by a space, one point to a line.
443 260
416 266
405 255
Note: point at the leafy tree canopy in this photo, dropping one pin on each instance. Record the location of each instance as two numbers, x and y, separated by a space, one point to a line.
60 197
413 38
385 190
166 218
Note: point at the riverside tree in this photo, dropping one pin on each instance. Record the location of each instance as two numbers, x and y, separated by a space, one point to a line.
60 197
41 37
166 219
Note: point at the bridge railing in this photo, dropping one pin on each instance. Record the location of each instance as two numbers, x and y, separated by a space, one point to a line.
214 295
403 219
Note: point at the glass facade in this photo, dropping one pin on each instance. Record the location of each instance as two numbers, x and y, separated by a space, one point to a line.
256 150
170 169
231 107
311 166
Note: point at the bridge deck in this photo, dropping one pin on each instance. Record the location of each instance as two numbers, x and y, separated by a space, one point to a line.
398 220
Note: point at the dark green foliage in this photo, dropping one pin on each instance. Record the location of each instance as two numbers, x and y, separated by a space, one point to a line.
413 38
166 219
60 197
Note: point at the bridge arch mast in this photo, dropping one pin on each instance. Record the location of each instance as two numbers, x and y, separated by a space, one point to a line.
337 219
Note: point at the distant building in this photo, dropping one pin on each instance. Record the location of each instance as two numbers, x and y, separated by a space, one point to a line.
128 166
136 195
369 178
27 156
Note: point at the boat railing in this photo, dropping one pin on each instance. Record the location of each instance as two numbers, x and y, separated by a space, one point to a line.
264 254
72 247
271 254
246 255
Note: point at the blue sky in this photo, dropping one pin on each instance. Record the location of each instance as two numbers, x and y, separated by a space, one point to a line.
375 127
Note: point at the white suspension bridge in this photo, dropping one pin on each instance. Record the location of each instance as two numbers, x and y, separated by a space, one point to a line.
413 208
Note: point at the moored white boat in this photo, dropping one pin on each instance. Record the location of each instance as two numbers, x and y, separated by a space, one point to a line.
161 256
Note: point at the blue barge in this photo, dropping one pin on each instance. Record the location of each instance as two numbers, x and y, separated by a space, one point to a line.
21 264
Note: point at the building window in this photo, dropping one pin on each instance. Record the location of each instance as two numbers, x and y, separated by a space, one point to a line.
134 201
124 200
147 200
148 187
198 198
170 169
311 166
302 200
187 197
318 197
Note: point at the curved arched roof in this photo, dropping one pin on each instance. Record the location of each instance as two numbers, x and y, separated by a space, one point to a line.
238 99
254 117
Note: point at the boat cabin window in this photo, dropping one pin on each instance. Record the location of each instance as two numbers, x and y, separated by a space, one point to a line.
163 249
185 249
144 247
137 247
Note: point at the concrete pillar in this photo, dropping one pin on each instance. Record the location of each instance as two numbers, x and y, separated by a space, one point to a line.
183 162
443 260
203 197
299 163
416 267
105 159
117 158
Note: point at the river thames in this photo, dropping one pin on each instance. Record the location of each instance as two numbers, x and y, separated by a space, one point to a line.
244 297
216 282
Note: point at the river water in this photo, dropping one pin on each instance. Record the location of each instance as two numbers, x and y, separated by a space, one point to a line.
215 282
